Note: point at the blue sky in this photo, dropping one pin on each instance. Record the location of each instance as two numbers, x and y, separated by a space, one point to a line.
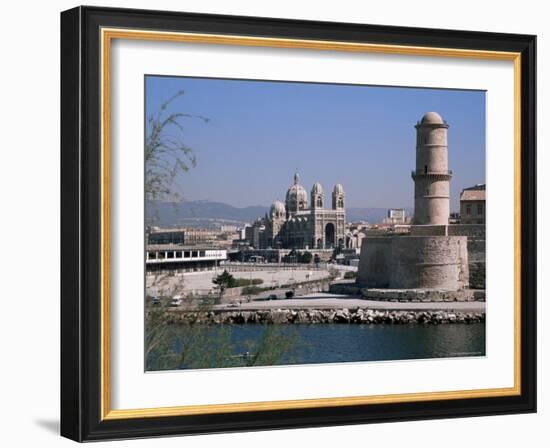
363 137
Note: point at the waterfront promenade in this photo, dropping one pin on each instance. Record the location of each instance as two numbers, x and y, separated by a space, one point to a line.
321 301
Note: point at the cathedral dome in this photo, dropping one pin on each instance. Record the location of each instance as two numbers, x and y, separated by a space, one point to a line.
277 209
432 118
338 189
296 196
317 188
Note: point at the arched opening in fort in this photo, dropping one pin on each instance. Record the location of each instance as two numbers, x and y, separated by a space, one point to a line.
329 235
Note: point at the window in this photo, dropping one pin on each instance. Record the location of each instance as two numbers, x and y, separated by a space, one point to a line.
202 253
152 255
186 254
479 209
195 254
468 209
162 255
178 254
425 169
170 254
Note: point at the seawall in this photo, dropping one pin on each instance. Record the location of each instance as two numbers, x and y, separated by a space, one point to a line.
330 316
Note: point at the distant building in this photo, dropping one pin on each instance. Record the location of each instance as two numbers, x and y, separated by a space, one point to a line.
166 236
181 236
454 218
472 205
228 228
396 216
242 231
227 239
253 232
296 224
355 232
185 258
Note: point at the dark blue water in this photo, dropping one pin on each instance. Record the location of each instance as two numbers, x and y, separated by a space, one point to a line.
326 343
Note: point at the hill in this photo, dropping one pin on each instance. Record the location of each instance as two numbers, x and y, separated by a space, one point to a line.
211 214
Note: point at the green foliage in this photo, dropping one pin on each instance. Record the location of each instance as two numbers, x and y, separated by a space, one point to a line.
298 257
277 343
247 282
225 280
166 154
170 346
252 290
350 274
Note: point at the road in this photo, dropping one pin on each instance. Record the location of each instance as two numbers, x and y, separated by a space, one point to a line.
327 301
201 282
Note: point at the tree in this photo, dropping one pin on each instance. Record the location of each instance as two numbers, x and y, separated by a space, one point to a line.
224 280
166 153
291 257
306 257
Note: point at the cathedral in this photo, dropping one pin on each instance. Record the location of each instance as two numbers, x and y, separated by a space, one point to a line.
303 224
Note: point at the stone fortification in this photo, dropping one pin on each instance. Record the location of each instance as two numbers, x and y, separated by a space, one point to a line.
476 246
414 262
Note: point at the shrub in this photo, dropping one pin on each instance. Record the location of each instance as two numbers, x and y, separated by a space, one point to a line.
247 282
251 290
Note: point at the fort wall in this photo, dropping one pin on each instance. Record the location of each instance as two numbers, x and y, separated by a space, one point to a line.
409 262
476 246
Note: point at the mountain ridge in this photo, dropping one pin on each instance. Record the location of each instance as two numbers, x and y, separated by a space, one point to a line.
205 213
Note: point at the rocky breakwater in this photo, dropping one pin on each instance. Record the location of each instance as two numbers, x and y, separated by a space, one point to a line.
331 316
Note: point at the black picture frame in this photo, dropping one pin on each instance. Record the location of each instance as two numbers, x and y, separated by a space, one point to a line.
81 224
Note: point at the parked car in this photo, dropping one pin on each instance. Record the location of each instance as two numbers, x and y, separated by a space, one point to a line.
156 301
272 297
176 301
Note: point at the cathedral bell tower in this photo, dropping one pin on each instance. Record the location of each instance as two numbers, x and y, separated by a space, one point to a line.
338 197
317 196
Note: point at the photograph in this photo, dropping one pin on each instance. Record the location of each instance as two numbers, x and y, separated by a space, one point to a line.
274 222
294 223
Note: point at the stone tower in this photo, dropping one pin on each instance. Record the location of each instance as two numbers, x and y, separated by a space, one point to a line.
431 176
338 197
317 196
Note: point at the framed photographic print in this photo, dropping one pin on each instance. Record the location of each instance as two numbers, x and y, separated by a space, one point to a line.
273 223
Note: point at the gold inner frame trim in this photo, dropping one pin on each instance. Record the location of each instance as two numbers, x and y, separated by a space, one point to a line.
107 35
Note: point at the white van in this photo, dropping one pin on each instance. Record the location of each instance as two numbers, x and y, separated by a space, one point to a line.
176 301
